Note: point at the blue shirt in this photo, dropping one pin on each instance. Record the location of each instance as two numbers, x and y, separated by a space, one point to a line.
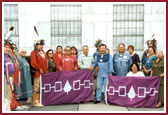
122 63
95 54
150 62
105 65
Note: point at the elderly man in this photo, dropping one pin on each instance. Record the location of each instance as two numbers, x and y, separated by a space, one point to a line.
122 61
85 61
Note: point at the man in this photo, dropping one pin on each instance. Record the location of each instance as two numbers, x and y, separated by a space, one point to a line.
122 61
105 69
85 61
67 61
38 60
58 54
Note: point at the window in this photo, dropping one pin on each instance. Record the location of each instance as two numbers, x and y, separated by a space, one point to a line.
11 19
66 25
128 25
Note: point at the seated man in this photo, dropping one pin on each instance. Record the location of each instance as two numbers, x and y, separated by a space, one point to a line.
67 61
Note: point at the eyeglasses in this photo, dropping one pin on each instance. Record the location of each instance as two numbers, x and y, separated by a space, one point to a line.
68 50
50 53
24 52
85 49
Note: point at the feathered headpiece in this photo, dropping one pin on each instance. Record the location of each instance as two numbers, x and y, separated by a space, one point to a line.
38 41
98 43
153 42
7 40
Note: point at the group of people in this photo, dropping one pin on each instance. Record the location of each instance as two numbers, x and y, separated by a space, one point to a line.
18 72
17 77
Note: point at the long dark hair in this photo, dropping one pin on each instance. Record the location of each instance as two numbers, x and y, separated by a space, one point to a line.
49 51
73 47
154 50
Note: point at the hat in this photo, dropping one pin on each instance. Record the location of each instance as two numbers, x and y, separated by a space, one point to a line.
38 41
153 41
7 40
98 43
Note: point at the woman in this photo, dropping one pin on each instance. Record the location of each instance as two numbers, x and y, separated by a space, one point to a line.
74 52
50 60
16 74
150 43
158 70
148 61
26 84
134 56
8 73
135 71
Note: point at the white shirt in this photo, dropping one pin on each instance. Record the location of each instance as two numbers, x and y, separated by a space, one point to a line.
138 74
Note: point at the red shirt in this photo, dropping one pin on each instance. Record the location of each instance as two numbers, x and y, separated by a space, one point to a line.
56 59
39 62
68 63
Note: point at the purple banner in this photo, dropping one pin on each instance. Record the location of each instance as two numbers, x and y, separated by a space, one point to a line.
66 87
136 92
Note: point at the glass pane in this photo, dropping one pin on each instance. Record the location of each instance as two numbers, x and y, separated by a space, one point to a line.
114 16
118 9
122 8
134 16
122 16
122 24
114 9
126 8
118 16
126 16
114 31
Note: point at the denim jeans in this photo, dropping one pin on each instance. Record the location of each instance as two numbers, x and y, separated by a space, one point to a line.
100 82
